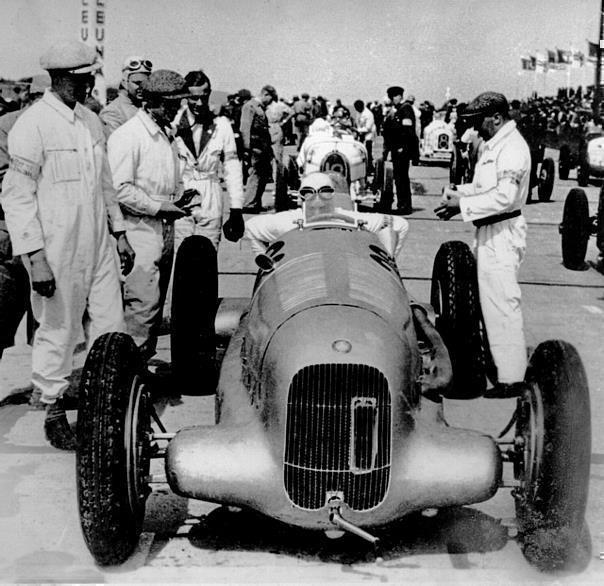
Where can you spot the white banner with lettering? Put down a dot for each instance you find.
(92, 32)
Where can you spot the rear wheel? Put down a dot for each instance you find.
(114, 448)
(454, 296)
(553, 443)
(546, 179)
(194, 306)
(575, 230)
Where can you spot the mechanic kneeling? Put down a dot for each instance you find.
(493, 203)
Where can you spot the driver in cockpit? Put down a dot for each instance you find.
(319, 199)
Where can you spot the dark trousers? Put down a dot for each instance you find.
(259, 174)
(369, 147)
(400, 171)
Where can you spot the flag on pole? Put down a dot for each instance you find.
(528, 63)
(92, 32)
(578, 59)
(564, 56)
(541, 63)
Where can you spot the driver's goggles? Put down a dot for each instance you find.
(325, 192)
(135, 64)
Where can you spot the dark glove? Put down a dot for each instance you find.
(42, 279)
(234, 227)
(125, 252)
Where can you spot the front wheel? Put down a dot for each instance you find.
(454, 297)
(194, 305)
(114, 448)
(553, 439)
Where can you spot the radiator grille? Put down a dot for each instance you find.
(338, 436)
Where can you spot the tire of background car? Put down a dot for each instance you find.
(600, 223)
(454, 297)
(564, 162)
(546, 179)
(582, 174)
(575, 230)
(552, 465)
(281, 188)
(194, 305)
(113, 453)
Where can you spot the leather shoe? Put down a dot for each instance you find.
(58, 433)
(403, 211)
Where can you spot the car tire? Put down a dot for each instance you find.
(546, 179)
(112, 458)
(194, 306)
(564, 162)
(554, 429)
(454, 297)
(575, 230)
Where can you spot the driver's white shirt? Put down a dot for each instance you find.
(261, 230)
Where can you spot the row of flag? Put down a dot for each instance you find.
(560, 59)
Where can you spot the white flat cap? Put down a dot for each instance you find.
(72, 56)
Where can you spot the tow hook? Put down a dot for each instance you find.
(335, 504)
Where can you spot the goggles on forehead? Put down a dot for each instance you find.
(325, 192)
(136, 64)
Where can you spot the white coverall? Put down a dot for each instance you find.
(57, 195)
(500, 185)
(201, 172)
(261, 230)
(146, 172)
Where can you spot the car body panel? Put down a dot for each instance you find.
(319, 398)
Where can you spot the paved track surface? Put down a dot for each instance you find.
(192, 541)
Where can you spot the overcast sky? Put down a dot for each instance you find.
(344, 49)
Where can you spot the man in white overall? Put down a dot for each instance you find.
(147, 177)
(493, 202)
(205, 144)
(57, 196)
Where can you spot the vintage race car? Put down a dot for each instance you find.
(576, 228)
(329, 403)
(436, 147)
(339, 153)
(586, 153)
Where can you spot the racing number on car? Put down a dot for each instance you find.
(443, 141)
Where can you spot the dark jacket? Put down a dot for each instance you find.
(254, 129)
(399, 131)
